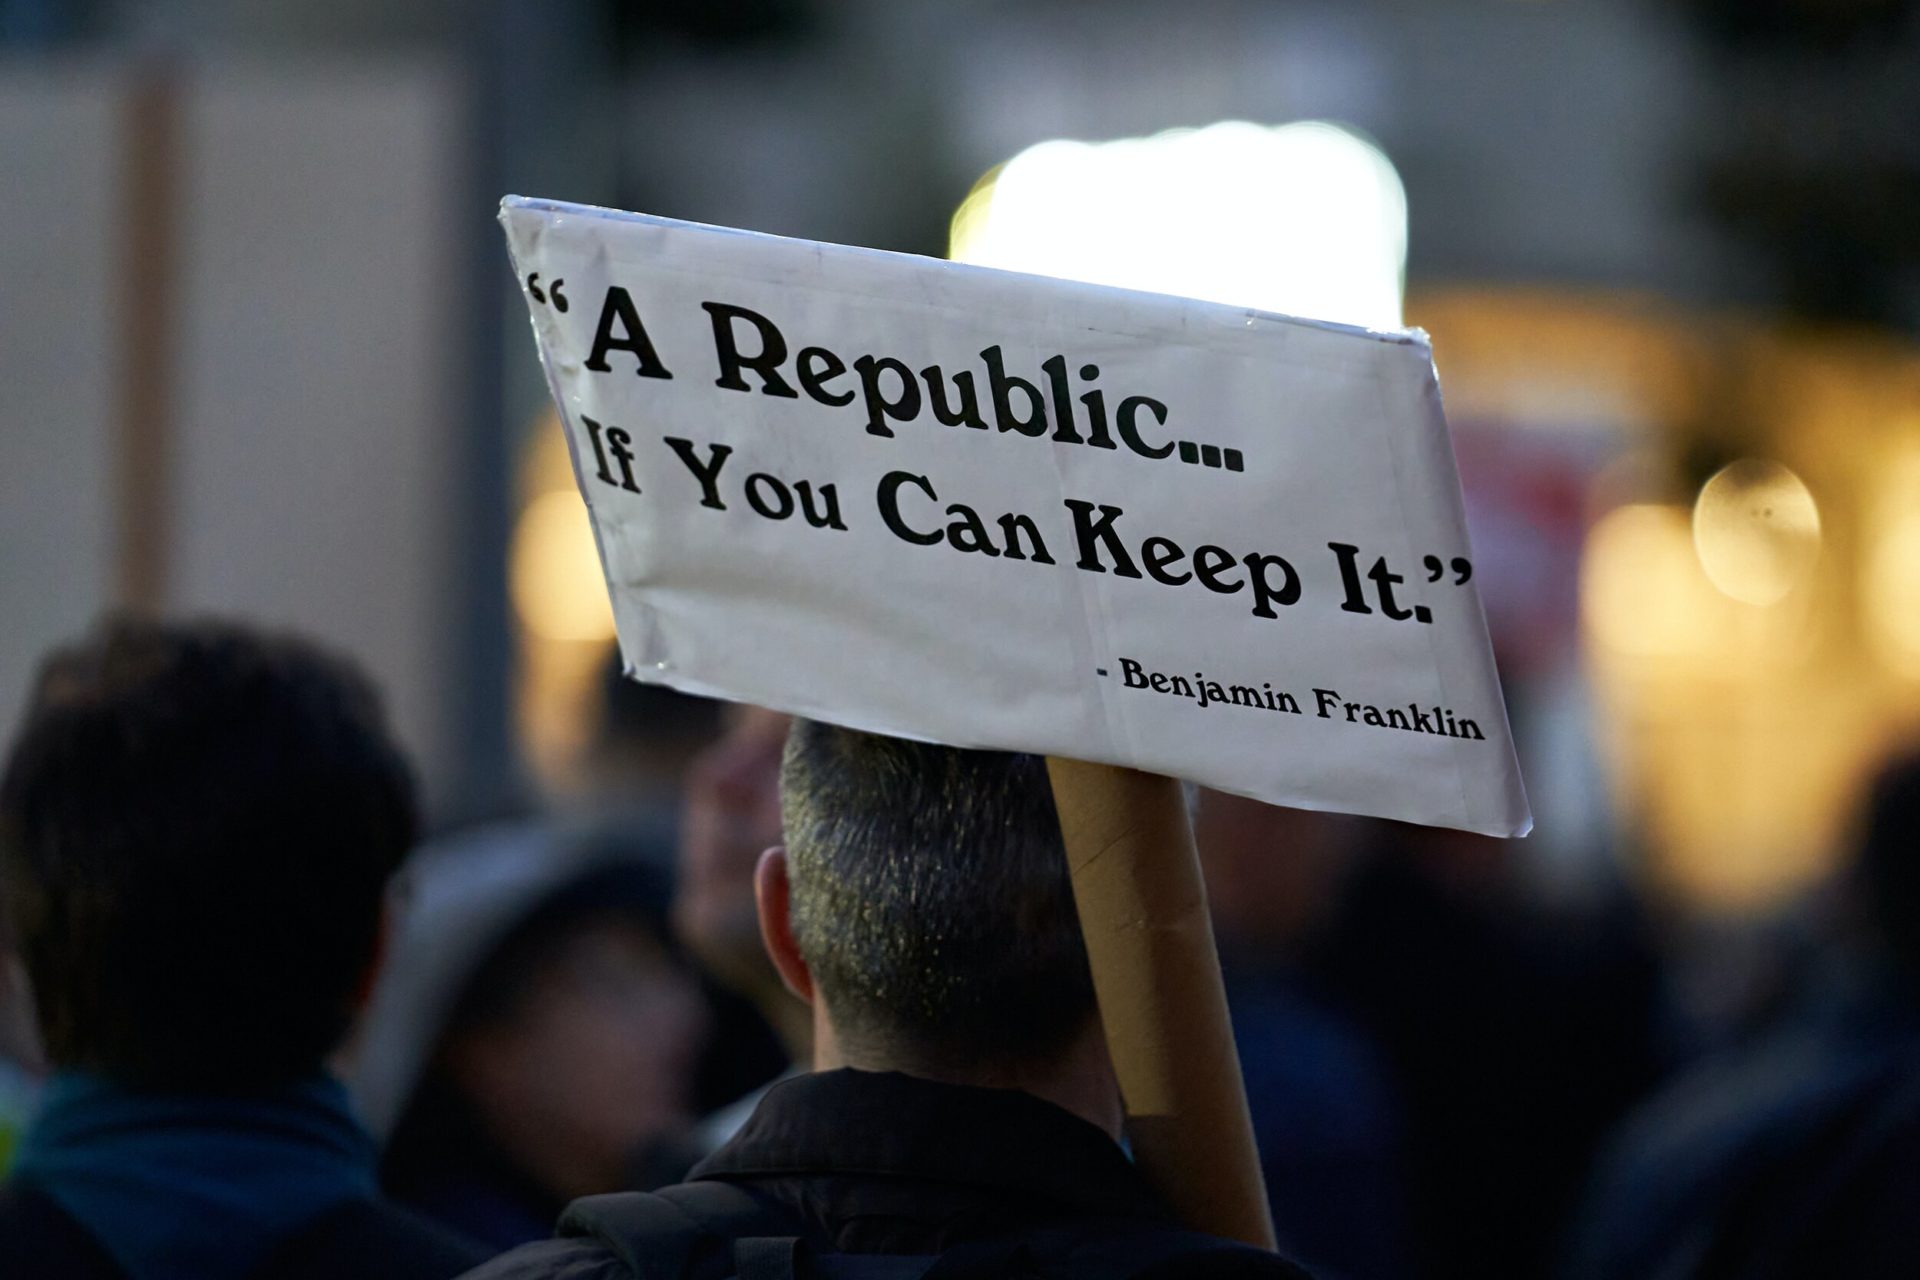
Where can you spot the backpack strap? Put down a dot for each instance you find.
(765, 1257)
(709, 1230)
(1090, 1249)
(1129, 1249)
(683, 1231)
(980, 1259)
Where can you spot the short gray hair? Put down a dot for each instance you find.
(930, 898)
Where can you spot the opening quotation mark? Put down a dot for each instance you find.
(552, 292)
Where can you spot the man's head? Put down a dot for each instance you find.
(196, 827)
(927, 894)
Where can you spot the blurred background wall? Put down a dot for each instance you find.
(259, 350)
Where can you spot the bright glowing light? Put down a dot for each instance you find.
(1308, 219)
(555, 574)
(1756, 530)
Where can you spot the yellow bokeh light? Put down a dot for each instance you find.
(1756, 530)
(558, 589)
(1891, 593)
(1641, 590)
(1308, 219)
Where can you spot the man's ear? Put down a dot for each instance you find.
(771, 898)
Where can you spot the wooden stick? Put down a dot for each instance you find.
(143, 454)
(1143, 909)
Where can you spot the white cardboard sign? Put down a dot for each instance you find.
(996, 510)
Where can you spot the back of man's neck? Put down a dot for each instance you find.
(1079, 1080)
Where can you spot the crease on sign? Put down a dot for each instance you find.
(648, 650)
(532, 224)
(642, 639)
(1514, 815)
(1085, 639)
(645, 637)
(1383, 404)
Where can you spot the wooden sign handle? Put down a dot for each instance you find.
(1143, 909)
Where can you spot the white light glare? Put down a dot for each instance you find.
(1307, 219)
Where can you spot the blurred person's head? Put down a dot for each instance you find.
(1886, 870)
(645, 737)
(196, 825)
(1272, 873)
(730, 814)
(535, 1036)
(923, 904)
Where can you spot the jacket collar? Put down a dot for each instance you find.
(195, 1185)
(885, 1124)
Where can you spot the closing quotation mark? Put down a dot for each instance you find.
(552, 291)
(1436, 569)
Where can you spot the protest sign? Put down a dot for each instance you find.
(996, 510)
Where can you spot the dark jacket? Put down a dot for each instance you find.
(364, 1239)
(886, 1163)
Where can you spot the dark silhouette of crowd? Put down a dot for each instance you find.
(782, 999)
